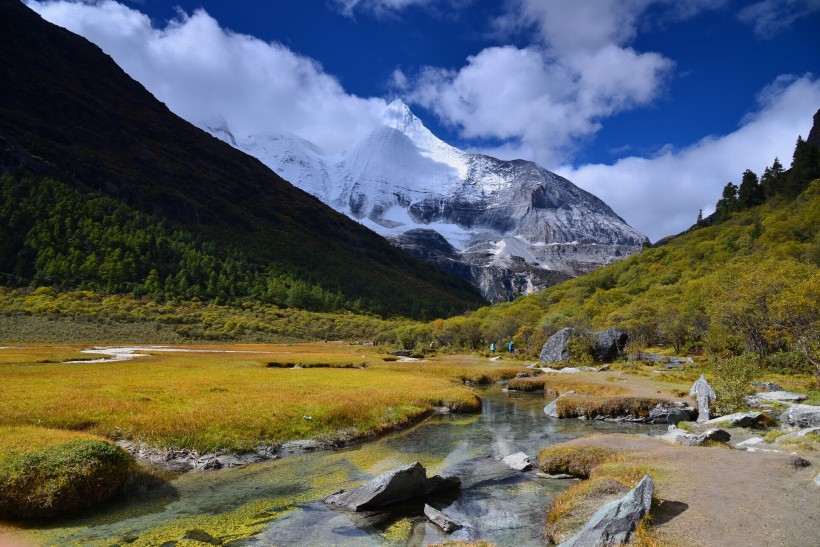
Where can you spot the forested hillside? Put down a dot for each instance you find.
(103, 188)
(747, 283)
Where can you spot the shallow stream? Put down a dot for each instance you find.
(279, 502)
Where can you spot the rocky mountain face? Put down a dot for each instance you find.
(510, 227)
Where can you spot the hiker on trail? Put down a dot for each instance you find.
(510, 347)
(492, 347)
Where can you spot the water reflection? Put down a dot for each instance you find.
(279, 502)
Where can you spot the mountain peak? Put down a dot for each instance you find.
(399, 116)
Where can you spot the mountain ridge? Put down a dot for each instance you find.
(68, 111)
(401, 178)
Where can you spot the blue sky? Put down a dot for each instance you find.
(653, 105)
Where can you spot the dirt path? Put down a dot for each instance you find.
(726, 497)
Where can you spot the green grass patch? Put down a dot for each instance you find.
(45, 472)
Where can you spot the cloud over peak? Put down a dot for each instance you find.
(204, 72)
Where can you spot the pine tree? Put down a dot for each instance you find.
(805, 167)
(772, 179)
(749, 194)
(727, 204)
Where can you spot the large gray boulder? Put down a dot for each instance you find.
(608, 344)
(614, 523)
(801, 416)
(393, 487)
(556, 349)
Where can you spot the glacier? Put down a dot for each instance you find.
(510, 227)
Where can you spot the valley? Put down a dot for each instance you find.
(224, 334)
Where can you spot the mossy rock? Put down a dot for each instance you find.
(576, 460)
(61, 479)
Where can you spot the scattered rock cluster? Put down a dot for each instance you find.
(397, 486)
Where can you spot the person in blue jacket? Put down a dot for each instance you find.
(492, 347)
(510, 347)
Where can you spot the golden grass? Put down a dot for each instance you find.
(610, 476)
(206, 401)
(22, 440)
(590, 406)
(557, 384)
(577, 460)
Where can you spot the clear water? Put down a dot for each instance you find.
(279, 502)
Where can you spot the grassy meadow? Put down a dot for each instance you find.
(229, 397)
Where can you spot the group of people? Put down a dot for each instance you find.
(510, 347)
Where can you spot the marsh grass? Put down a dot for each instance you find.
(210, 401)
(556, 384)
(573, 460)
(609, 476)
(591, 406)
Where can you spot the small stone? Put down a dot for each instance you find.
(717, 435)
(797, 462)
(798, 434)
(518, 461)
(447, 525)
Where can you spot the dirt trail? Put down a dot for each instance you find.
(719, 496)
(726, 497)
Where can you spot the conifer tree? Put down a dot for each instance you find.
(749, 194)
(727, 204)
(772, 179)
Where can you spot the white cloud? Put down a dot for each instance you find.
(382, 7)
(203, 72)
(545, 101)
(770, 17)
(661, 196)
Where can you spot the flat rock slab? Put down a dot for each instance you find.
(801, 416)
(393, 487)
(775, 396)
(750, 442)
(739, 419)
(518, 461)
(679, 436)
(447, 525)
(798, 434)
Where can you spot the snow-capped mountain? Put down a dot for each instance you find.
(511, 227)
